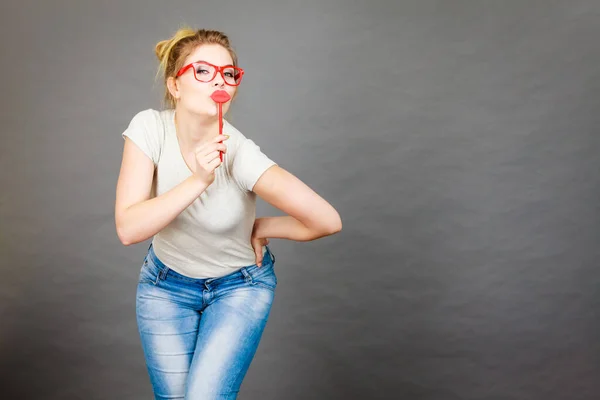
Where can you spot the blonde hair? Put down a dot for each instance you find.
(172, 52)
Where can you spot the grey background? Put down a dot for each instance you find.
(458, 139)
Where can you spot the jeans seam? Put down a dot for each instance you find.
(183, 279)
(264, 285)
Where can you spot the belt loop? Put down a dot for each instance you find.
(163, 273)
(247, 276)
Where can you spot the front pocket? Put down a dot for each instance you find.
(147, 274)
(265, 278)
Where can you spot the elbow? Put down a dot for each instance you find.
(124, 236)
(333, 225)
(126, 242)
(336, 225)
(127, 236)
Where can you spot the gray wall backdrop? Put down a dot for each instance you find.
(458, 139)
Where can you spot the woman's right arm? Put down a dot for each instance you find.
(137, 216)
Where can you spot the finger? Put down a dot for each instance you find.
(214, 149)
(211, 156)
(213, 164)
(214, 144)
(216, 140)
(258, 253)
(210, 166)
(219, 138)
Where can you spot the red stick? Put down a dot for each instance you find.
(221, 126)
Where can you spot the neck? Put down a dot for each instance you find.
(194, 130)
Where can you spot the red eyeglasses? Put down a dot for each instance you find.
(206, 72)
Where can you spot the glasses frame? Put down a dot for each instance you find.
(218, 69)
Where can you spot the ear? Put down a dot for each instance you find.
(173, 87)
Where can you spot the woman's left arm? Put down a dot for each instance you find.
(309, 216)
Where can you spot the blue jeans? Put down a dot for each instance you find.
(199, 336)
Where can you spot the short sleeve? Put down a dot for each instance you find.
(249, 164)
(145, 131)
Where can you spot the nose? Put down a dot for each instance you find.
(219, 81)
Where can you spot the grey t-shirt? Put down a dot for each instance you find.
(211, 237)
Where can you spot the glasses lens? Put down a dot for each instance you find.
(232, 75)
(204, 72)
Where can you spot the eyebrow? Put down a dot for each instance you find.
(206, 62)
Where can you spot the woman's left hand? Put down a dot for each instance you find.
(257, 245)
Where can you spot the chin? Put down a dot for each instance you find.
(205, 111)
(214, 110)
(208, 110)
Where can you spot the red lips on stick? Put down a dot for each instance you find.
(220, 97)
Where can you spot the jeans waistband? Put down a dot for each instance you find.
(165, 269)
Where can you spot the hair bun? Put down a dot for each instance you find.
(161, 49)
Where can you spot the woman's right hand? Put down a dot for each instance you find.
(207, 159)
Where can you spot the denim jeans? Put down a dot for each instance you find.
(199, 336)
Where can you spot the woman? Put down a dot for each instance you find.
(207, 282)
